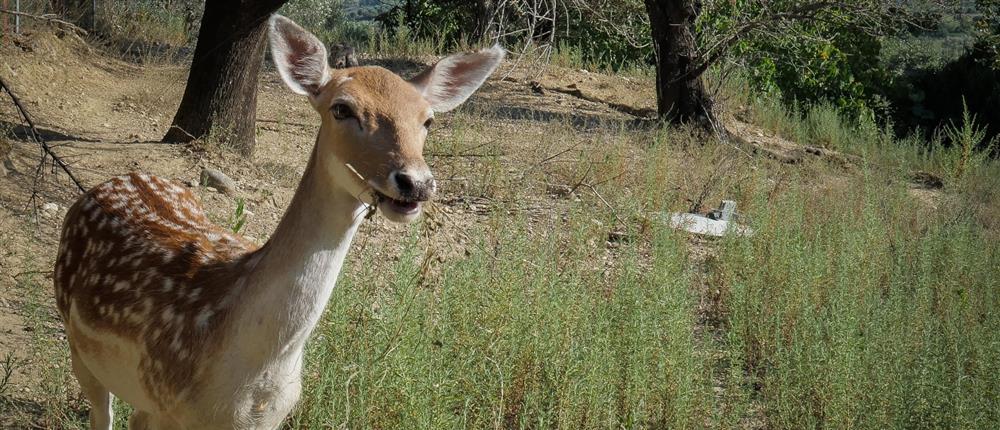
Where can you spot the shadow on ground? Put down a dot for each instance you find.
(579, 121)
(23, 132)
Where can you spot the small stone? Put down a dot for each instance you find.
(211, 189)
(218, 180)
(49, 209)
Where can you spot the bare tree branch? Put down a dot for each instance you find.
(38, 137)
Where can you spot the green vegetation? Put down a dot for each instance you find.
(864, 314)
(238, 218)
(7, 367)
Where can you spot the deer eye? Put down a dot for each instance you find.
(427, 124)
(342, 111)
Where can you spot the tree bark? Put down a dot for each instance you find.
(220, 100)
(680, 90)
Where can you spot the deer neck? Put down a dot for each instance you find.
(295, 272)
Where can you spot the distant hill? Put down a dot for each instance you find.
(366, 10)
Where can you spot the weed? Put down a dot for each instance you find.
(969, 149)
(7, 367)
(238, 219)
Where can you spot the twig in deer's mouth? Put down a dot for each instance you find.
(376, 196)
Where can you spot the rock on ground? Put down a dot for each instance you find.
(216, 179)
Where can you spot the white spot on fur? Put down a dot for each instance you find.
(176, 343)
(168, 284)
(201, 321)
(168, 314)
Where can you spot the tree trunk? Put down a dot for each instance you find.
(220, 100)
(680, 91)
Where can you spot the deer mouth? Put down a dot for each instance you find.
(402, 207)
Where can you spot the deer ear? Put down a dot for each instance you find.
(299, 56)
(452, 80)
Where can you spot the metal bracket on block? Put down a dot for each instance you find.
(725, 211)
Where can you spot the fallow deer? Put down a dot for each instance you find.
(196, 327)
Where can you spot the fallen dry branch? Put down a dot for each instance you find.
(38, 137)
(49, 18)
(757, 141)
(642, 113)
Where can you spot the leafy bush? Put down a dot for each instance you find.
(322, 17)
(831, 59)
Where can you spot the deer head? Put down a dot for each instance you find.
(373, 122)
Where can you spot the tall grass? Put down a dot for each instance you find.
(855, 310)
(526, 331)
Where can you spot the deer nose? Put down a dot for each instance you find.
(414, 186)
